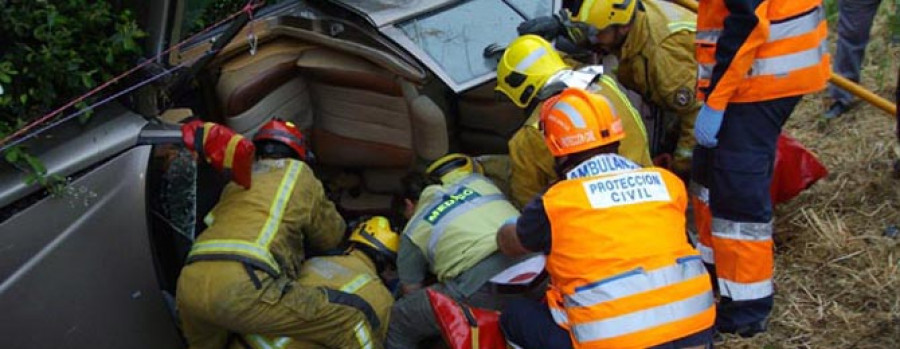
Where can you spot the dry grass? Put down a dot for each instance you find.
(837, 276)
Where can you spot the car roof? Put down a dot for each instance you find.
(380, 13)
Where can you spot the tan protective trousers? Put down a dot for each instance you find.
(218, 298)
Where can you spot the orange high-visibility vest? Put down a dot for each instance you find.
(622, 272)
(785, 54)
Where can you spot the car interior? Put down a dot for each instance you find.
(369, 120)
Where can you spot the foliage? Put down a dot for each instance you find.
(212, 12)
(54, 51)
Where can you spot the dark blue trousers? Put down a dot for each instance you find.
(738, 173)
(528, 324)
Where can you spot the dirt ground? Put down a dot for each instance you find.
(837, 278)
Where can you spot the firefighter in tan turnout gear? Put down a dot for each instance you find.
(242, 271)
(372, 250)
(531, 71)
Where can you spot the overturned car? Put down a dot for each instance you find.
(381, 88)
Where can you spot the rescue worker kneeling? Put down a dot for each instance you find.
(451, 234)
(531, 71)
(372, 250)
(622, 274)
(241, 271)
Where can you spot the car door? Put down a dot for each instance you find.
(76, 268)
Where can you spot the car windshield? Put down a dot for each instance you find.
(455, 38)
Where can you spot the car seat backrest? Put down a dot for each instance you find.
(253, 88)
(366, 116)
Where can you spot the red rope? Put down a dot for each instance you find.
(249, 8)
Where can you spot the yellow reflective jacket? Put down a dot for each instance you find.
(532, 165)
(267, 225)
(657, 60)
(455, 224)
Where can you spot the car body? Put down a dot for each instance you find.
(96, 265)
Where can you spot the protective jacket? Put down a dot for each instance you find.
(772, 49)
(531, 164)
(657, 61)
(353, 273)
(268, 225)
(241, 272)
(455, 224)
(609, 287)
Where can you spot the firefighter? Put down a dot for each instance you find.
(454, 216)
(240, 274)
(622, 274)
(654, 43)
(529, 72)
(757, 59)
(372, 250)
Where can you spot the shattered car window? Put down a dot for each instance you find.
(456, 38)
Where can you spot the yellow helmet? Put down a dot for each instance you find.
(604, 13)
(451, 165)
(525, 67)
(376, 233)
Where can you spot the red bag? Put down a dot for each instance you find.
(227, 151)
(465, 327)
(796, 169)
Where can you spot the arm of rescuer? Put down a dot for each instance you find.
(746, 28)
(324, 227)
(529, 232)
(412, 266)
(531, 164)
(675, 75)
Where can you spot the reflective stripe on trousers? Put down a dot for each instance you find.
(744, 259)
(702, 218)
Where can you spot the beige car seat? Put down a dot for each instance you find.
(361, 118)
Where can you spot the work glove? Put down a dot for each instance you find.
(706, 128)
(558, 25)
(547, 27)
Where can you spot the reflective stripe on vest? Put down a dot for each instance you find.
(643, 319)
(778, 65)
(418, 219)
(682, 25)
(634, 282)
(441, 227)
(357, 283)
(259, 249)
(777, 30)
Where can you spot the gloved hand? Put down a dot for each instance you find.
(706, 128)
(547, 27)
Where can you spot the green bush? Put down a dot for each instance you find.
(54, 51)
